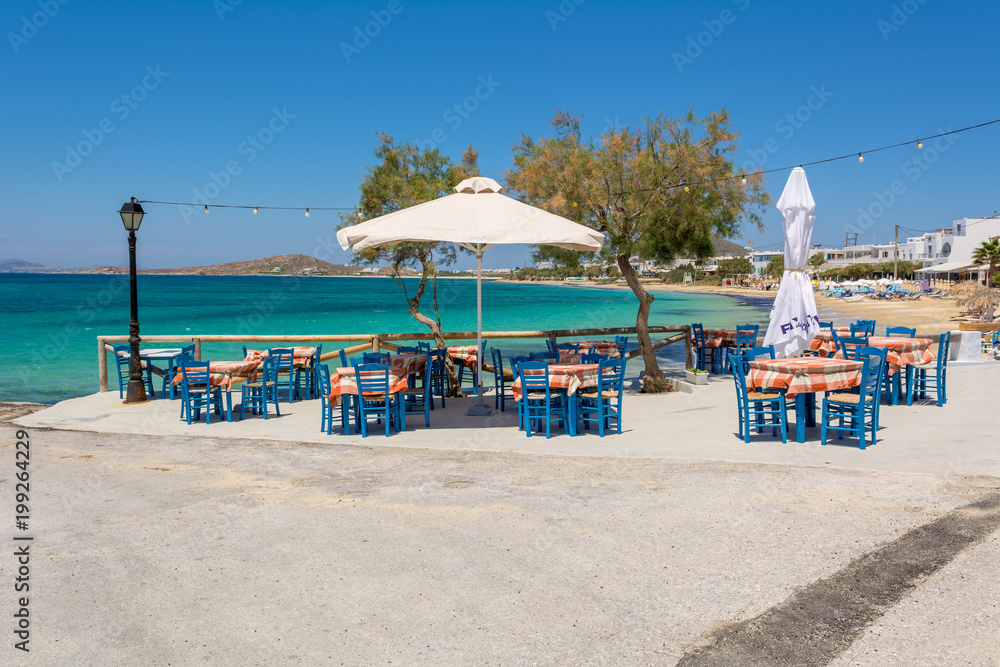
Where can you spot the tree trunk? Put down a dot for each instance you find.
(653, 381)
(436, 332)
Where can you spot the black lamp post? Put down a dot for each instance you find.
(136, 393)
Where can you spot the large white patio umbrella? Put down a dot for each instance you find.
(477, 217)
(794, 319)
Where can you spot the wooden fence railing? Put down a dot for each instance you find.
(377, 342)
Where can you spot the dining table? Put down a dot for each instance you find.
(901, 352)
(168, 355)
(801, 378)
(823, 343)
(466, 355)
(224, 374)
(564, 377)
(343, 382)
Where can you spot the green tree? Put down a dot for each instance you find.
(405, 175)
(735, 266)
(776, 267)
(655, 191)
(817, 260)
(988, 253)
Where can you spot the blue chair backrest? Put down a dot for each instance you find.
(944, 344)
(122, 355)
(515, 363)
(316, 355)
(551, 345)
(269, 371)
(826, 325)
(404, 349)
(285, 357)
(592, 358)
(610, 375)
(372, 378)
(195, 374)
(699, 334)
(858, 329)
(534, 382)
(375, 358)
(869, 326)
(746, 335)
(739, 378)
(538, 356)
(497, 364)
(343, 358)
(568, 347)
(849, 346)
(900, 331)
(872, 376)
(323, 373)
(424, 346)
(189, 349)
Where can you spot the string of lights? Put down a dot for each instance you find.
(686, 185)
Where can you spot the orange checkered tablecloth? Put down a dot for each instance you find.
(467, 355)
(719, 338)
(600, 347)
(222, 373)
(301, 356)
(411, 363)
(901, 351)
(803, 375)
(343, 381)
(823, 343)
(570, 377)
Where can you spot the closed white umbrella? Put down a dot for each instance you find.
(794, 319)
(476, 217)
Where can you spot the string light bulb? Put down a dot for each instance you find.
(206, 208)
(687, 189)
(861, 158)
(307, 212)
(920, 144)
(255, 210)
(744, 179)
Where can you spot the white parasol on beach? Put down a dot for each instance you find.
(477, 217)
(794, 319)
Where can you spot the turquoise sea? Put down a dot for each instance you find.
(49, 323)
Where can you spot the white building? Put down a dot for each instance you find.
(952, 253)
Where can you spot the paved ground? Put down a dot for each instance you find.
(187, 547)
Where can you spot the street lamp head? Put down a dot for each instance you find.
(132, 215)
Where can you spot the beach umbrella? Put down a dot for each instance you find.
(986, 300)
(477, 217)
(794, 319)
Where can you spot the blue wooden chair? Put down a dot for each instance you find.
(374, 358)
(605, 403)
(592, 358)
(307, 375)
(932, 376)
(326, 408)
(748, 355)
(703, 355)
(570, 348)
(374, 399)
(472, 371)
(755, 407)
(854, 414)
(437, 373)
(122, 355)
(197, 392)
(544, 356)
(256, 395)
(344, 361)
(901, 331)
(515, 366)
(885, 380)
(499, 380)
(622, 343)
(424, 346)
(826, 325)
(418, 398)
(286, 369)
(848, 345)
(746, 338)
(859, 330)
(869, 326)
(538, 403)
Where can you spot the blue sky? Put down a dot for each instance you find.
(107, 100)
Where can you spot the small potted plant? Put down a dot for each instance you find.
(695, 376)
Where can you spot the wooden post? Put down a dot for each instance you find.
(688, 352)
(376, 344)
(102, 365)
(197, 349)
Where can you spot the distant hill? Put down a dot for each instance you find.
(724, 247)
(282, 265)
(21, 266)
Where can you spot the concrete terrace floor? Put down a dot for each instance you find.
(264, 543)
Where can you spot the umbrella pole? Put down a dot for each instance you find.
(479, 410)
